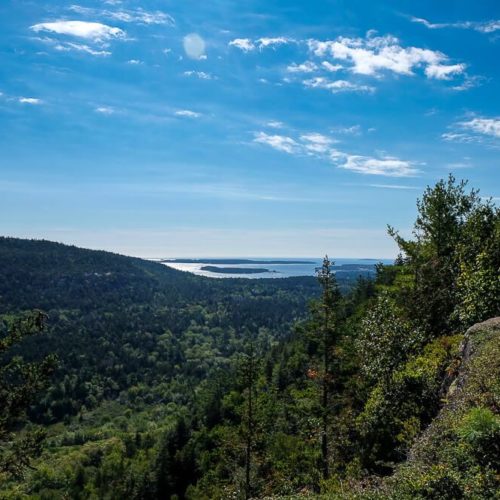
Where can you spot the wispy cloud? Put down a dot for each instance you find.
(30, 100)
(247, 45)
(244, 44)
(480, 26)
(458, 137)
(272, 42)
(485, 126)
(275, 124)
(80, 47)
(352, 130)
(476, 129)
(305, 67)
(321, 146)
(317, 143)
(187, 113)
(96, 32)
(469, 82)
(388, 166)
(331, 67)
(140, 16)
(202, 75)
(336, 86)
(105, 110)
(278, 142)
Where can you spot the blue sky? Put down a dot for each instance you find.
(249, 128)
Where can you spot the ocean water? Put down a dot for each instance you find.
(274, 270)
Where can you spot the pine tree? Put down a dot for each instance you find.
(249, 374)
(326, 337)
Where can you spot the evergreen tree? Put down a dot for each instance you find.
(433, 255)
(19, 383)
(249, 373)
(325, 319)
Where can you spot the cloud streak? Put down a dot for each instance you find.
(30, 100)
(475, 130)
(248, 45)
(336, 86)
(321, 146)
(202, 75)
(484, 126)
(482, 27)
(139, 16)
(187, 113)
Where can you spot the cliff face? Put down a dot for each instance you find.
(458, 456)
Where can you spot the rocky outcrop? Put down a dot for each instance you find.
(475, 384)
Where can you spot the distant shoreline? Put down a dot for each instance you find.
(236, 270)
(234, 261)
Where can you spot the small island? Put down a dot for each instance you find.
(233, 261)
(236, 270)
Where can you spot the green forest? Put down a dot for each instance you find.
(124, 378)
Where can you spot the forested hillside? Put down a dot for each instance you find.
(168, 385)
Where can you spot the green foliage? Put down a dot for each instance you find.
(176, 386)
(387, 338)
(19, 383)
(480, 429)
(400, 407)
(454, 255)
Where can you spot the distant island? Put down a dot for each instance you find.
(236, 270)
(234, 261)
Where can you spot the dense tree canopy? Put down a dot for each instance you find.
(175, 386)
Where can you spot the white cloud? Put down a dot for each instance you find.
(352, 130)
(265, 42)
(321, 146)
(30, 100)
(187, 113)
(387, 166)
(469, 83)
(331, 67)
(444, 71)
(475, 130)
(247, 45)
(317, 143)
(96, 32)
(244, 44)
(336, 86)
(457, 137)
(275, 124)
(81, 47)
(279, 142)
(134, 61)
(371, 55)
(485, 126)
(105, 110)
(482, 27)
(199, 74)
(140, 16)
(305, 67)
